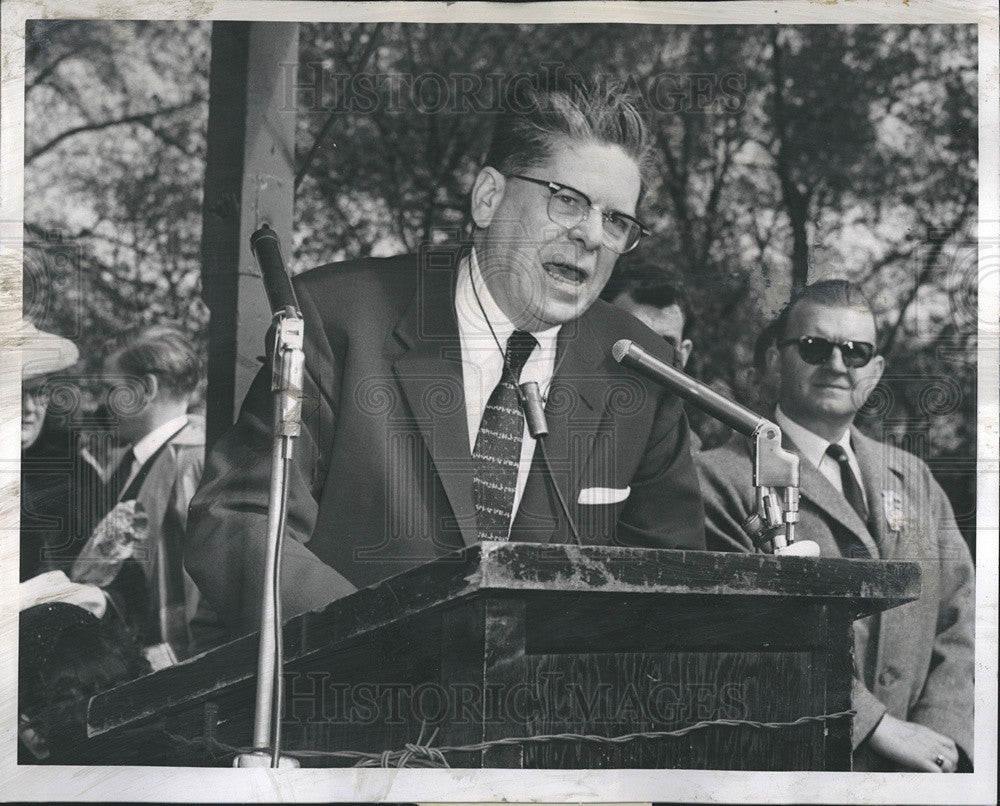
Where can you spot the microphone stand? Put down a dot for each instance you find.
(774, 468)
(288, 369)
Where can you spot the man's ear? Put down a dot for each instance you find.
(878, 367)
(152, 385)
(872, 375)
(487, 194)
(684, 350)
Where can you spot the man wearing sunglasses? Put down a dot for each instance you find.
(413, 443)
(865, 499)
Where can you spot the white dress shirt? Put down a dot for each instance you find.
(482, 358)
(813, 449)
(144, 449)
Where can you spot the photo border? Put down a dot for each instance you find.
(231, 785)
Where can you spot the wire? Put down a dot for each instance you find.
(418, 754)
(559, 495)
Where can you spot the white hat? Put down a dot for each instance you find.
(44, 353)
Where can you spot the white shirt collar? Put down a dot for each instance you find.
(150, 444)
(812, 446)
(474, 327)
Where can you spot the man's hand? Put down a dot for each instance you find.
(914, 746)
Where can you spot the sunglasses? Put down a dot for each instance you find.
(815, 350)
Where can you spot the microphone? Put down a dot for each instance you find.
(734, 415)
(277, 285)
(534, 410)
(534, 414)
(773, 467)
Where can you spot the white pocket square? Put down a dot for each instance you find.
(603, 495)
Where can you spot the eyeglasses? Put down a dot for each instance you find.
(568, 207)
(815, 350)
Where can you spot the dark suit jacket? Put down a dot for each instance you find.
(916, 660)
(46, 480)
(166, 491)
(382, 477)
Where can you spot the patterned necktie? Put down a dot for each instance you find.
(852, 490)
(498, 444)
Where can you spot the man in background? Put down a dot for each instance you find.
(135, 553)
(664, 309)
(913, 689)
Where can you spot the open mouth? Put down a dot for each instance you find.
(565, 272)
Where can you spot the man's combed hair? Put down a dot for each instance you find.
(166, 352)
(536, 120)
(663, 295)
(831, 293)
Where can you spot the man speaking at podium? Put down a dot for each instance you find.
(413, 442)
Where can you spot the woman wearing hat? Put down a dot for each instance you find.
(46, 455)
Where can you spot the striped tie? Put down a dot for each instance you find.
(498, 444)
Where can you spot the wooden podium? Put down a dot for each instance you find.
(541, 656)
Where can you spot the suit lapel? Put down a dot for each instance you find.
(878, 481)
(431, 363)
(537, 514)
(883, 477)
(814, 486)
(574, 408)
(429, 371)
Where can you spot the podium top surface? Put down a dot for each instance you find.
(857, 587)
(622, 569)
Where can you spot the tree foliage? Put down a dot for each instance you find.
(115, 116)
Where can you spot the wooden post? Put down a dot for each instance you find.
(249, 180)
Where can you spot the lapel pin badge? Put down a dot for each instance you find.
(892, 502)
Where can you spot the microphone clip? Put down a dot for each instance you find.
(287, 373)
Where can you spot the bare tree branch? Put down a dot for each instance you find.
(719, 178)
(43, 74)
(362, 61)
(796, 198)
(930, 264)
(140, 117)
